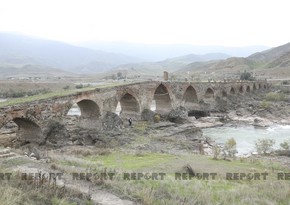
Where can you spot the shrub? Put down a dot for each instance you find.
(66, 87)
(264, 146)
(22, 93)
(246, 76)
(265, 104)
(80, 86)
(156, 118)
(285, 145)
(230, 148)
(276, 97)
(216, 151)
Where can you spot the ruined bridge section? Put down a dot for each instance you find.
(133, 98)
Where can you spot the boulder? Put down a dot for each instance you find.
(111, 121)
(178, 115)
(56, 133)
(147, 115)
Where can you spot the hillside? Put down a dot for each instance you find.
(31, 71)
(261, 63)
(19, 50)
(170, 64)
(270, 54)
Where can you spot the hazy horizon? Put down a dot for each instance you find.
(214, 23)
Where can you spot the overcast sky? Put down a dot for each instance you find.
(199, 22)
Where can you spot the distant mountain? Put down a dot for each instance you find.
(274, 58)
(190, 58)
(31, 71)
(20, 49)
(270, 54)
(151, 52)
(170, 64)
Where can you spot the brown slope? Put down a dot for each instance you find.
(271, 54)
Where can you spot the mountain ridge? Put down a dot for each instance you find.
(20, 49)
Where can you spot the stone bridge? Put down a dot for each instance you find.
(32, 117)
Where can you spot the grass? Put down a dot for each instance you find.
(132, 162)
(16, 101)
(168, 191)
(276, 97)
(195, 191)
(17, 191)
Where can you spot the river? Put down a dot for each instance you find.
(246, 135)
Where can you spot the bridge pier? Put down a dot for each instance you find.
(33, 118)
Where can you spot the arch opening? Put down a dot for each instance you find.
(118, 108)
(241, 89)
(153, 105)
(74, 110)
(260, 86)
(28, 131)
(209, 93)
(232, 91)
(162, 100)
(224, 93)
(129, 104)
(248, 89)
(190, 97)
(265, 87)
(254, 87)
(89, 109)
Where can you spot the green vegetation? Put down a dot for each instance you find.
(156, 118)
(230, 148)
(40, 97)
(264, 146)
(265, 104)
(64, 92)
(173, 191)
(285, 145)
(23, 93)
(216, 151)
(132, 161)
(275, 97)
(246, 76)
(27, 193)
(170, 190)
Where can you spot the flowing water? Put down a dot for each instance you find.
(246, 135)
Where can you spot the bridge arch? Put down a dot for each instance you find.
(89, 109)
(232, 91)
(129, 104)
(254, 87)
(209, 93)
(260, 86)
(248, 89)
(190, 96)
(162, 99)
(224, 93)
(241, 89)
(28, 131)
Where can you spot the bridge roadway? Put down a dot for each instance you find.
(32, 117)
